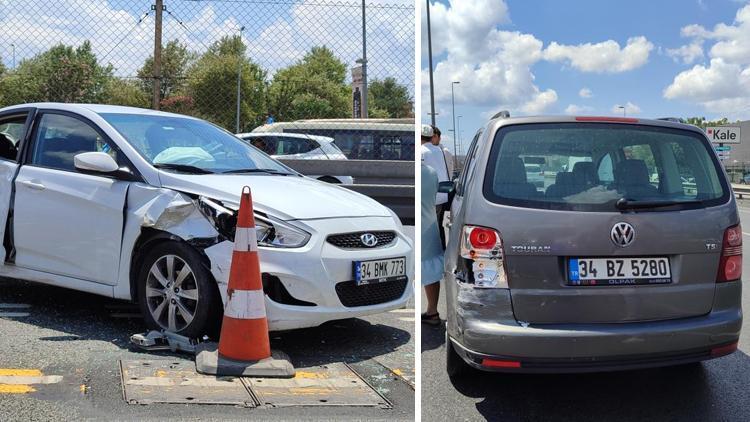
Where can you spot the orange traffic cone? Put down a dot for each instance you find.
(244, 346)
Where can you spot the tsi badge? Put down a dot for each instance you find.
(369, 240)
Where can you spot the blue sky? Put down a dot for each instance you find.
(535, 57)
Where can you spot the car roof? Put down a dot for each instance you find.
(500, 122)
(97, 108)
(326, 139)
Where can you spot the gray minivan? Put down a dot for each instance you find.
(628, 255)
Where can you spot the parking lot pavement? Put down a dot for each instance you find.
(715, 390)
(63, 349)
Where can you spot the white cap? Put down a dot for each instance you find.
(427, 131)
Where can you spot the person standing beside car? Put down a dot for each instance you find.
(447, 156)
(433, 156)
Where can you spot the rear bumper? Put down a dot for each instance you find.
(481, 326)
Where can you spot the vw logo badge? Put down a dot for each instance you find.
(622, 234)
(369, 240)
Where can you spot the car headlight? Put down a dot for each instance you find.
(271, 232)
(276, 234)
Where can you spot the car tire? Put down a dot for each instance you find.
(454, 364)
(185, 299)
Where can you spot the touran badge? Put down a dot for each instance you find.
(622, 234)
(369, 240)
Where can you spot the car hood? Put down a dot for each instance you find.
(284, 197)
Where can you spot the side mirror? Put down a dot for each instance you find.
(95, 162)
(446, 187)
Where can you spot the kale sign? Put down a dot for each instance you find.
(723, 134)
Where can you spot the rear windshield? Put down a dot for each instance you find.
(592, 166)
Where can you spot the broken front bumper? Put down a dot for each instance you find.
(319, 276)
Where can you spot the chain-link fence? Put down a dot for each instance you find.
(282, 68)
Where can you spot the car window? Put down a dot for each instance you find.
(468, 164)
(368, 144)
(12, 130)
(652, 164)
(59, 138)
(167, 140)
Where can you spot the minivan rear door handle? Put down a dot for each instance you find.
(33, 184)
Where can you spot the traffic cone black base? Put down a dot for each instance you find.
(209, 362)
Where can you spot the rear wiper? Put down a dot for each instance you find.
(629, 204)
(268, 171)
(182, 167)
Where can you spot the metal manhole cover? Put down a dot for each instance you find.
(334, 384)
(176, 381)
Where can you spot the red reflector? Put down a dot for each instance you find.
(482, 238)
(723, 350)
(730, 268)
(493, 363)
(606, 119)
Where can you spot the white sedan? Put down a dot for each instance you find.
(141, 205)
(299, 146)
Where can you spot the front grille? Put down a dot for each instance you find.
(353, 241)
(352, 295)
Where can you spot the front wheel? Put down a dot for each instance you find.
(176, 291)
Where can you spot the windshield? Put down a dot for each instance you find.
(592, 166)
(179, 144)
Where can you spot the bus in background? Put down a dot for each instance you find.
(359, 139)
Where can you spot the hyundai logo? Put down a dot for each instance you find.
(369, 240)
(622, 234)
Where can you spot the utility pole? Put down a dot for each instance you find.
(364, 62)
(158, 8)
(239, 79)
(14, 55)
(453, 115)
(429, 53)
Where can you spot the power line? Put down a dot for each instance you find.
(126, 35)
(308, 3)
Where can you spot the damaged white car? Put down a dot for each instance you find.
(141, 205)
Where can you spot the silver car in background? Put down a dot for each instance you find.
(299, 146)
(603, 269)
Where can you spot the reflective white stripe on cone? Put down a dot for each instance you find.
(245, 304)
(245, 239)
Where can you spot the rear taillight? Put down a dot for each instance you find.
(483, 250)
(730, 264)
(495, 363)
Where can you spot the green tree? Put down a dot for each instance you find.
(175, 59)
(387, 98)
(212, 85)
(2, 67)
(126, 93)
(702, 123)
(314, 87)
(62, 73)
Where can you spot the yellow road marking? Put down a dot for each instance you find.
(20, 372)
(16, 389)
(398, 372)
(303, 374)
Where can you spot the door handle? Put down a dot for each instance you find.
(33, 185)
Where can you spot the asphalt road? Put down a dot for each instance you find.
(716, 390)
(82, 337)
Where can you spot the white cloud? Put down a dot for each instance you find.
(492, 65)
(687, 53)
(606, 56)
(722, 86)
(718, 80)
(578, 109)
(585, 93)
(630, 109)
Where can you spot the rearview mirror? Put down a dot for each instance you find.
(96, 162)
(446, 187)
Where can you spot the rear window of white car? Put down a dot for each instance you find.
(603, 167)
